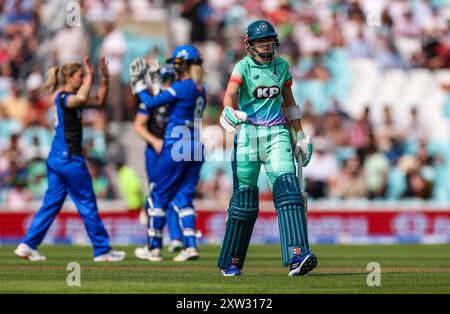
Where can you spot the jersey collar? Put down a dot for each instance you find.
(265, 65)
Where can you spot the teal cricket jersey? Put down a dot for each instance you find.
(260, 92)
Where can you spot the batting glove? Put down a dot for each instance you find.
(231, 119)
(304, 146)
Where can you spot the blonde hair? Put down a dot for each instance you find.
(57, 76)
(196, 73)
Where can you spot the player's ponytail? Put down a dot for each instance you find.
(52, 81)
(196, 73)
(57, 76)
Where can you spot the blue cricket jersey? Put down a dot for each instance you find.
(186, 102)
(68, 175)
(68, 128)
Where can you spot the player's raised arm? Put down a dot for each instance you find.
(82, 94)
(138, 70)
(102, 93)
(151, 102)
(293, 114)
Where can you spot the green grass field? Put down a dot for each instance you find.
(341, 269)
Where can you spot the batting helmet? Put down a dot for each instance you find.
(258, 30)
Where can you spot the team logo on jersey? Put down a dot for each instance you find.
(262, 92)
(256, 77)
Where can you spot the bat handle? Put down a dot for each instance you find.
(300, 172)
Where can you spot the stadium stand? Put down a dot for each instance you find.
(372, 81)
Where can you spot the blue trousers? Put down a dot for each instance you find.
(176, 180)
(151, 160)
(69, 175)
(175, 186)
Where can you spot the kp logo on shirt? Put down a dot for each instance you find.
(262, 92)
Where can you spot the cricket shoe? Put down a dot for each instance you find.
(302, 264)
(186, 255)
(142, 252)
(175, 246)
(111, 256)
(25, 252)
(231, 271)
(153, 255)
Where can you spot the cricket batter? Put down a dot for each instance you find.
(263, 83)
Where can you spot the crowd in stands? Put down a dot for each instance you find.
(354, 156)
(391, 158)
